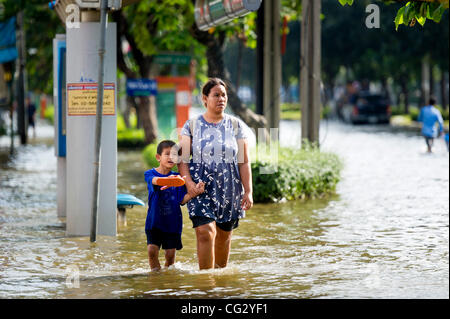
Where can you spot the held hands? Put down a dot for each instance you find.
(195, 189)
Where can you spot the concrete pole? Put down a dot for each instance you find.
(82, 68)
(98, 118)
(310, 61)
(269, 62)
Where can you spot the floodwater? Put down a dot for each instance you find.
(383, 235)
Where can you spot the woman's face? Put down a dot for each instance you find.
(217, 99)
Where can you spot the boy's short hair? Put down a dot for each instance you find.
(432, 100)
(163, 145)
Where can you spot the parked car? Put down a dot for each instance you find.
(365, 107)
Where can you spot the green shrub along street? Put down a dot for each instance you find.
(291, 111)
(298, 174)
(49, 114)
(131, 137)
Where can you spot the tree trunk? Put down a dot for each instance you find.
(425, 82)
(216, 68)
(432, 93)
(145, 107)
(147, 114)
(444, 100)
(385, 89)
(239, 63)
(404, 85)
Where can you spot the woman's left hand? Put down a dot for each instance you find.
(247, 201)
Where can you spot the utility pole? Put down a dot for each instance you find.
(310, 65)
(98, 120)
(21, 111)
(269, 63)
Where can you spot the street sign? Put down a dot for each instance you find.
(141, 87)
(210, 13)
(172, 59)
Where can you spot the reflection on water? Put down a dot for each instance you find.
(385, 234)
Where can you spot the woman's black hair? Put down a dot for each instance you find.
(212, 82)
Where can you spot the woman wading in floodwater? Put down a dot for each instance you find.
(220, 158)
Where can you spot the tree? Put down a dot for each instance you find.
(152, 27)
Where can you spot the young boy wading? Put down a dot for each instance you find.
(164, 222)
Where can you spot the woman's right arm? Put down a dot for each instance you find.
(183, 165)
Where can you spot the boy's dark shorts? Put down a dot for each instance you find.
(159, 238)
(227, 226)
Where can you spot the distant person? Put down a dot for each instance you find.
(164, 222)
(31, 109)
(429, 115)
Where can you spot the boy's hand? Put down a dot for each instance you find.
(200, 187)
(197, 189)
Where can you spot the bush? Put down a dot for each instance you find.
(49, 114)
(292, 111)
(397, 110)
(149, 154)
(299, 174)
(444, 113)
(414, 113)
(129, 137)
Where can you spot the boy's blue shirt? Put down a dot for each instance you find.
(429, 115)
(164, 210)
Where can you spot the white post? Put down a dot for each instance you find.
(82, 70)
(60, 128)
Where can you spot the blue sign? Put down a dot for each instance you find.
(8, 51)
(141, 87)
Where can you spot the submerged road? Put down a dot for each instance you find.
(383, 235)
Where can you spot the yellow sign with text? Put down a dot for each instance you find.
(82, 99)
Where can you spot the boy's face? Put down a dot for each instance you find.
(168, 157)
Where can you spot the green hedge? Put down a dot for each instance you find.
(291, 111)
(129, 137)
(49, 113)
(299, 174)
